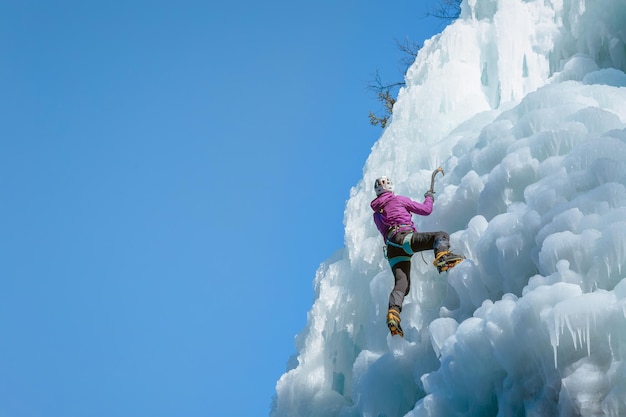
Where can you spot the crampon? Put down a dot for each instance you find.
(446, 260)
(393, 322)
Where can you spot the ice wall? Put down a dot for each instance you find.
(523, 103)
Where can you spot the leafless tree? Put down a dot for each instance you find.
(446, 10)
(386, 93)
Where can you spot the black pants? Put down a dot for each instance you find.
(399, 254)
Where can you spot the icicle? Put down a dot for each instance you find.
(554, 338)
(571, 331)
(588, 335)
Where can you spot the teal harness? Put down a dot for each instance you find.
(405, 246)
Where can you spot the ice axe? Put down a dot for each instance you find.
(432, 179)
(431, 192)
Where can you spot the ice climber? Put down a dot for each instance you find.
(393, 218)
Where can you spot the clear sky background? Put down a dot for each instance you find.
(171, 176)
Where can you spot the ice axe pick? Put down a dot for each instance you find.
(432, 178)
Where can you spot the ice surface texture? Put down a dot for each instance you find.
(523, 103)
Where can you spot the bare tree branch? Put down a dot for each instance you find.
(410, 49)
(446, 10)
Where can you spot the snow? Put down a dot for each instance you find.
(523, 104)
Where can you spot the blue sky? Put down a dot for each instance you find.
(172, 175)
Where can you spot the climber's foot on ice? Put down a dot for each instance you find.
(445, 260)
(393, 322)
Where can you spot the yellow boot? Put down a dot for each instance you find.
(445, 260)
(393, 322)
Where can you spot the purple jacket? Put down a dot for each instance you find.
(392, 210)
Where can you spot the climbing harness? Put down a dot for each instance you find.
(398, 228)
(405, 246)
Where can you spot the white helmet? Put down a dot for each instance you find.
(383, 184)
